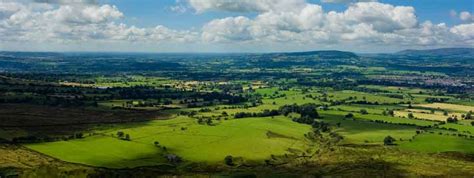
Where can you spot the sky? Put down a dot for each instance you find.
(367, 26)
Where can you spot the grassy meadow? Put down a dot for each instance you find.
(249, 138)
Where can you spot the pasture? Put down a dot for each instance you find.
(435, 143)
(250, 138)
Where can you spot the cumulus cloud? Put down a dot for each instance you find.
(346, 1)
(76, 20)
(246, 5)
(466, 31)
(85, 15)
(466, 16)
(283, 23)
(361, 23)
(66, 1)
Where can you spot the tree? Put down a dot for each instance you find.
(452, 120)
(364, 111)
(304, 120)
(468, 115)
(472, 123)
(120, 134)
(410, 116)
(79, 135)
(200, 121)
(209, 121)
(167, 102)
(224, 113)
(156, 143)
(388, 140)
(309, 110)
(127, 137)
(321, 126)
(349, 115)
(445, 113)
(391, 113)
(229, 160)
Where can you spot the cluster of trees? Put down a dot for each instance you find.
(467, 116)
(388, 113)
(452, 119)
(202, 121)
(42, 93)
(305, 110)
(123, 136)
(264, 113)
(436, 100)
(46, 138)
(308, 112)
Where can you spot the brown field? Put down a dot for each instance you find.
(425, 114)
(445, 106)
(23, 119)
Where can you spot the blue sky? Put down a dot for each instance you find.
(154, 12)
(234, 25)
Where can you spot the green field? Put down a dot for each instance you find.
(433, 143)
(253, 139)
(310, 114)
(361, 131)
(250, 138)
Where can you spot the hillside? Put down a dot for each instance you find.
(439, 52)
(322, 54)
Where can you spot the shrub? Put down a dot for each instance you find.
(388, 140)
(229, 160)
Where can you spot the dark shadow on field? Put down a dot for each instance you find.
(344, 169)
(25, 120)
(347, 164)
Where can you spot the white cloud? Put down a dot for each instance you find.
(466, 16)
(228, 29)
(84, 15)
(288, 24)
(66, 1)
(466, 31)
(245, 5)
(76, 21)
(179, 9)
(361, 24)
(453, 13)
(346, 1)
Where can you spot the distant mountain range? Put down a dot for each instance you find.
(446, 52)
(439, 52)
(322, 54)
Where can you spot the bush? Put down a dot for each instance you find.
(388, 140)
(120, 134)
(349, 115)
(229, 160)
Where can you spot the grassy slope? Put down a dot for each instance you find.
(198, 143)
(439, 143)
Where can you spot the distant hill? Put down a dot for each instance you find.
(439, 52)
(329, 54)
